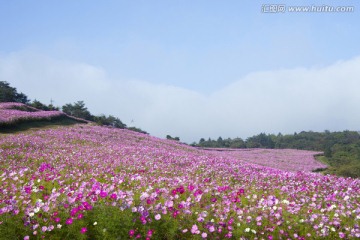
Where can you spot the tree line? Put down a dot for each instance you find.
(76, 109)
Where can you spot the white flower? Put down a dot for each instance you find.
(31, 214)
(36, 210)
(95, 223)
(346, 198)
(59, 226)
(253, 231)
(247, 229)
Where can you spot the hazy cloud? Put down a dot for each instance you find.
(273, 101)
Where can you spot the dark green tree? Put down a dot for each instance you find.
(172, 138)
(78, 110)
(10, 94)
(109, 121)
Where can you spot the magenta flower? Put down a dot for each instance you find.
(113, 196)
(69, 221)
(103, 194)
(27, 189)
(83, 230)
(150, 233)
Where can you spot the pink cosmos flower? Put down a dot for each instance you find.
(69, 221)
(83, 230)
(157, 217)
(103, 194)
(150, 233)
(195, 229)
(113, 196)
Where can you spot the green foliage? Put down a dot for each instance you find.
(260, 141)
(78, 110)
(135, 129)
(221, 143)
(110, 223)
(37, 104)
(172, 138)
(10, 94)
(23, 126)
(109, 121)
(11, 227)
(350, 170)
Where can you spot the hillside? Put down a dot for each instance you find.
(341, 150)
(18, 116)
(91, 182)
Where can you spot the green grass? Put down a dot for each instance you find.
(351, 169)
(24, 126)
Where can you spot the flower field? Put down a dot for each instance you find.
(90, 182)
(11, 113)
(285, 159)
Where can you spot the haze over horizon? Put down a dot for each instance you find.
(189, 69)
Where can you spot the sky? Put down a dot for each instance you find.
(191, 69)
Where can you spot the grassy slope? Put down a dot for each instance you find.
(23, 126)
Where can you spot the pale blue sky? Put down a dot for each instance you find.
(199, 47)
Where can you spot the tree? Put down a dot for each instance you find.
(172, 138)
(135, 129)
(10, 94)
(109, 121)
(78, 110)
(39, 105)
